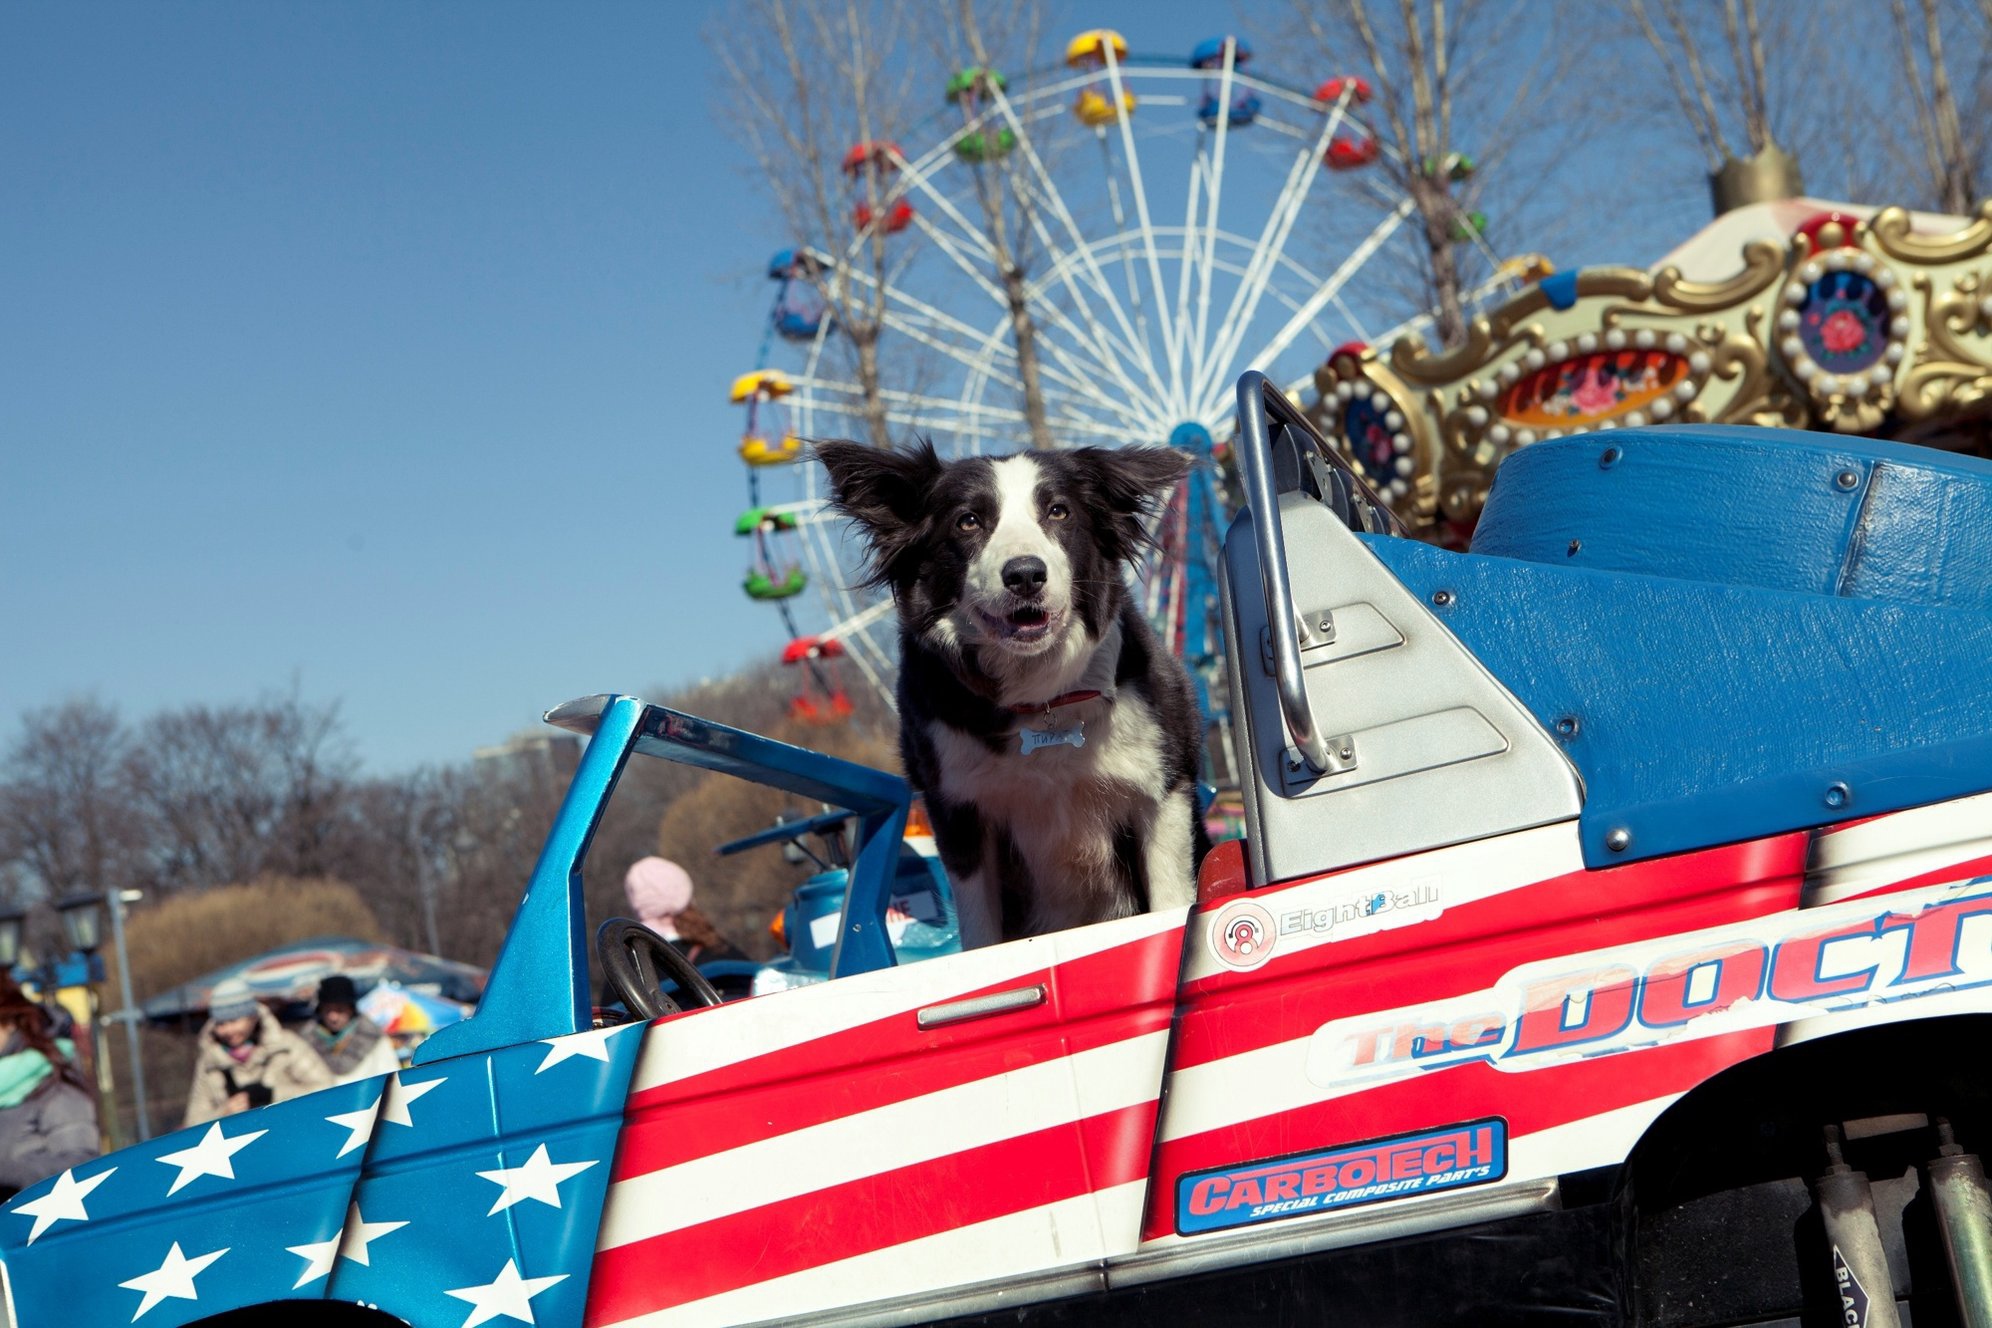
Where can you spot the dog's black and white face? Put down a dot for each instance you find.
(1016, 558)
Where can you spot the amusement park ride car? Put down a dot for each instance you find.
(1603, 884)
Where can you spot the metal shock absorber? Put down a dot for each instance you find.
(1853, 1238)
(1964, 1213)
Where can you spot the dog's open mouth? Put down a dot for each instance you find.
(1023, 625)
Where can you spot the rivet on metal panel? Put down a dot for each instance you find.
(1838, 795)
(1567, 726)
(1847, 479)
(1575, 545)
(1442, 597)
(1618, 840)
(1610, 458)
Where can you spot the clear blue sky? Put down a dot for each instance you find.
(383, 347)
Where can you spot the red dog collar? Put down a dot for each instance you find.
(1070, 698)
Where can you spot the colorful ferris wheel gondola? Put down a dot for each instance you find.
(975, 89)
(1218, 57)
(821, 698)
(1099, 49)
(872, 168)
(799, 313)
(767, 440)
(775, 573)
(1355, 146)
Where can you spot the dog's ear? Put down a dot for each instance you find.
(1128, 484)
(885, 492)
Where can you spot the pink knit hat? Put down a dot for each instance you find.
(658, 890)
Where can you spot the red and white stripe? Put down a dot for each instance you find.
(815, 1148)
(1241, 1087)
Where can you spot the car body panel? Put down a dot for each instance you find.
(818, 1147)
(385, 1192)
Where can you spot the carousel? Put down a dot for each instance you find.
(1798, 313)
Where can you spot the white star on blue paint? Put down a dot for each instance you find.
(212, 1156)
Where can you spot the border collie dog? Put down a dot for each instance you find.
(1055, 740)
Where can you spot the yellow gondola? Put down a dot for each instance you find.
(757, 450)
(1096, 108)
(767, 384)
(1091, 46)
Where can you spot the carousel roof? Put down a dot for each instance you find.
(1800, 313)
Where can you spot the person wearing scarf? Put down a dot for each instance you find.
(48, 1116)
(247, 1059)
(351, 1045)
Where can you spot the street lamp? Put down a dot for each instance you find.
(129, 1011)
(83, 928)
(83, 924)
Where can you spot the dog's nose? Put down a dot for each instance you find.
(1024, 576)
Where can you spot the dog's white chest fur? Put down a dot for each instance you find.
(1061, 805)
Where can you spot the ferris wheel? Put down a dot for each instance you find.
(1163, 235)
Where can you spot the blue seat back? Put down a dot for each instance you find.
(1734, 632)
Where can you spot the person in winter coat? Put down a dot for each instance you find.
(660, 896)
(48, 1115)
(351, 1045)
(247, 1059)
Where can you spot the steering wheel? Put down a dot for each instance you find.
(632, 956)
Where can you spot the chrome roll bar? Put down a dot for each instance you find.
(1261, 408)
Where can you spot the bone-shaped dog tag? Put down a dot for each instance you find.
(1032, 739)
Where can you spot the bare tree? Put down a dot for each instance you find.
(985, 38)
(1453, 109)
(65, 819)
(1952, 154)
(1711, 99)
(234, 792)
(817, 78)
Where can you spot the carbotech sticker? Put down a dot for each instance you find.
(1449, 1158)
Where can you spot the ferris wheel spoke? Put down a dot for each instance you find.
(1214, 194)
(1045, 190)
(859, 620)
(1342, 307)
(967, 357)
(1168, 329)
(903, 407)
(1102, 350)
(1265, 255)
(984, 348)
(1185, 268)
(956, 254)
(920, 177)
(1084, 382)
(1073, 381)
(1329, 289)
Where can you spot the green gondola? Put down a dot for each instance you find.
(969, 88)
(974, 81)
(974, 147)
(760, 585)
(763, 518)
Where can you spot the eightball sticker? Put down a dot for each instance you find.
(1241, 936)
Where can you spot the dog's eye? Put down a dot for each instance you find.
(967, 521)
(1058, 511)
